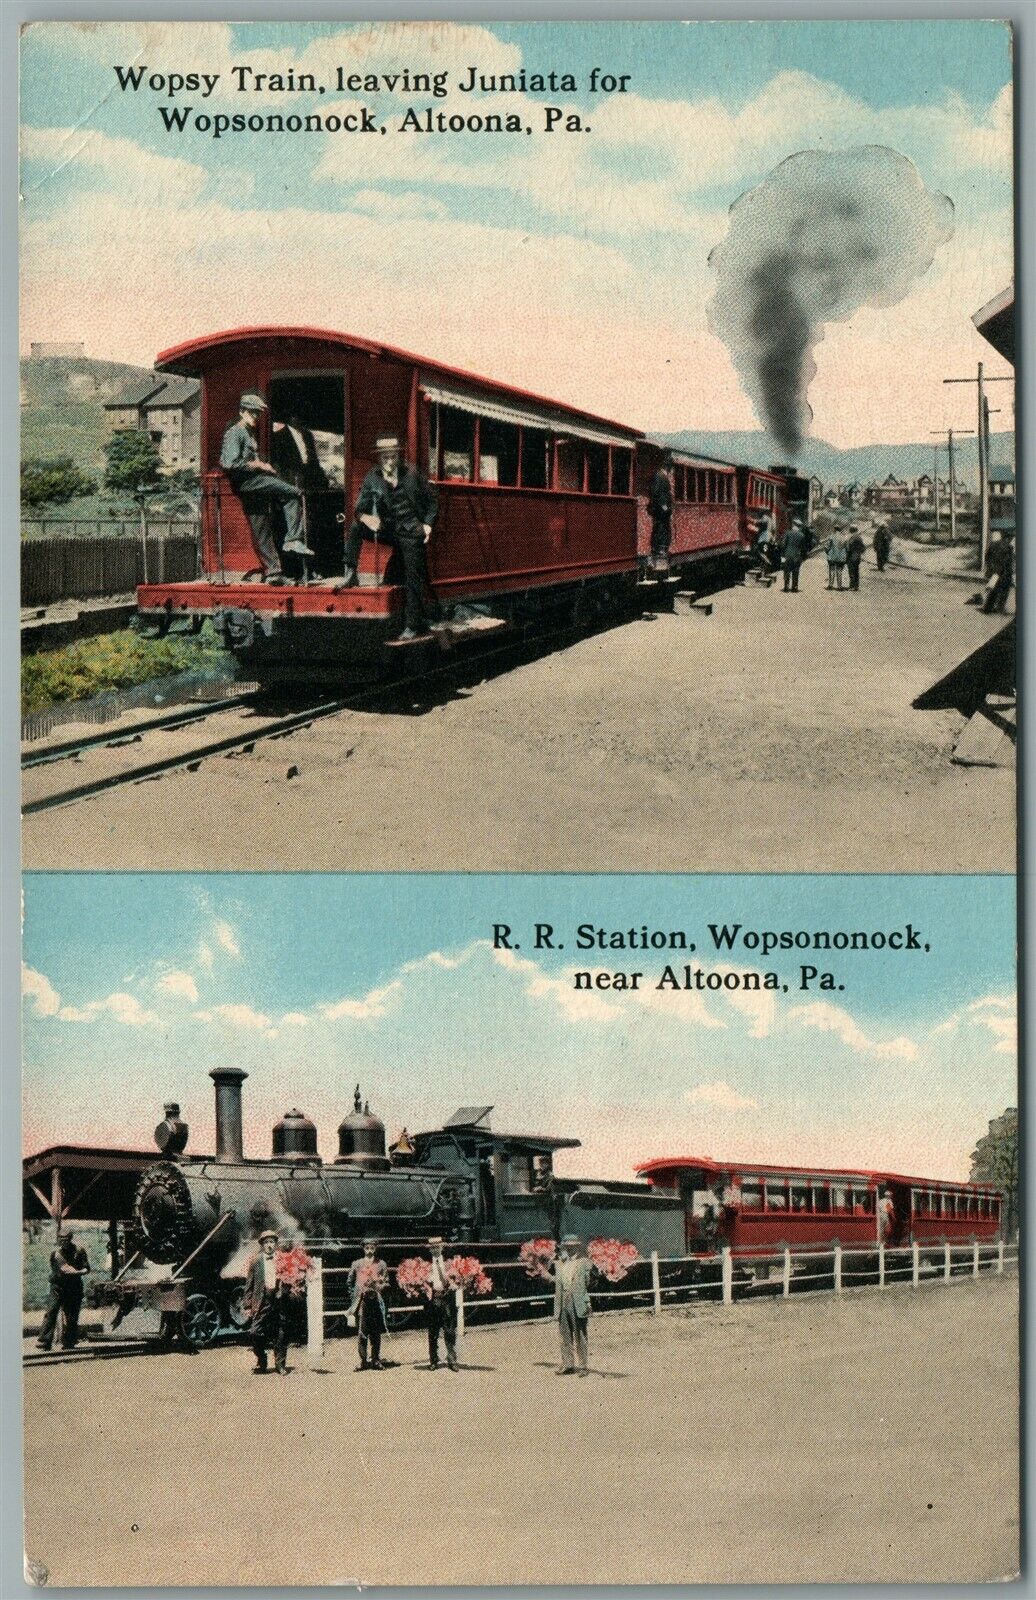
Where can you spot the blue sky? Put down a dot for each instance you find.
(567, 246)
(136, 986)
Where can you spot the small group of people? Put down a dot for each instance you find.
(844, 551)
(396, 503)
(69, 1265)
(267, 1307)
(782, 555)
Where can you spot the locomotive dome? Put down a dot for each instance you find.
(295, 1135)
(361, 1137)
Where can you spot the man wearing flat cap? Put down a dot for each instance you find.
(571, 1277)
(442, 1310)
(368, 1279)
(396, 502)
(266, 1305)
(258, 487)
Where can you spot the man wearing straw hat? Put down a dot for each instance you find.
(442, 1310)
(265, 1303)
(396, 502)
(571, 1277)
(258, 487)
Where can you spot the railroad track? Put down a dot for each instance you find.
(113, 737)
(254, 728)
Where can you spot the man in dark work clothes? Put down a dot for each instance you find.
(442, 1310)
(266, 1302)
(792, 554)
(854, 555)
(999, 574)
(396, 502)
(68, 1267)
(258, 487)
(293, 452)
(660, 510)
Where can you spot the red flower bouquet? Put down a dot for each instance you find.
(467, 1273)
(413, 1276)
(537, 1256)
(612, 1258)
(292, 1268)
(367, 1276)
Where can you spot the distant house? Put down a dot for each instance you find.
(851, 494)
(831, 499)
(924, 492)
(167, 409)
(892, 495)
(40, 351)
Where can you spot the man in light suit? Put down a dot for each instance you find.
(442, 1310)
(571, 1277)
(267, 1306)
(367, 1305)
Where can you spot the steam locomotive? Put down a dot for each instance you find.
(195, 1218)
(543, 507)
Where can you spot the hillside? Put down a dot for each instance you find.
(62, 412)
(862, 465)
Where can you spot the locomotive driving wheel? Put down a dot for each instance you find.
(200, 1320)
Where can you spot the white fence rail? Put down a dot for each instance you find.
(732, 1275)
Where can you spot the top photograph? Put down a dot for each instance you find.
(548, 447)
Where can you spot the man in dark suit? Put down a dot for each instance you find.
(68, 1267)
(660, 510)
(792, 555)
(442, 1310)
(571, 1276)
(266, 1303)
(368, 1279)
(259, 488)
(396, 502)
(293, 452)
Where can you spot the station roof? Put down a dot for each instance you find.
(995, 322)
(779, 1170)
(97, 1183)
(186, 359)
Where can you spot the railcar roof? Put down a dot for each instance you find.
(776, 1169)
(182, 358)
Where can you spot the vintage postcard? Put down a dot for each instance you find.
(621, 413)
(519, 803)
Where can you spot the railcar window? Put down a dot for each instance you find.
(821, 1201)
(433, 440)
(622, 461)
(776, 1196)
(597, 468)
(751, 1195)
(458, 445)
(569, 457)
(535, 452)
(839, 1197)
(799, 1197)
(497, 452)
(518, 1172)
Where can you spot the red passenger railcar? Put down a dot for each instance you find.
(536, 498)
(758, 1209)
(761, 491)
(706, 522)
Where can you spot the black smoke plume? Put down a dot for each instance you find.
(825, 233)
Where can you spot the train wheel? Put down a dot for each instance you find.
(200, 1320)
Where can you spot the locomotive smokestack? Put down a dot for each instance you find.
(229, 1135)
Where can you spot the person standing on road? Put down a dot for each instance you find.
(882, 545)
(368, 1279)
(854, 555)
(999, 573)
(660, 510)
(68, 1267)
(266, 1305)
(258, 487)
(396, 502)
(442, 1311)
(571, 1277)
(793, 555)
(835, 551)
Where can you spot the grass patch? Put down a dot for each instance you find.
(111, 661)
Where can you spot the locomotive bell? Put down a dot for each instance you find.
(171, 1134)
(295, 1136)
(361, 1138)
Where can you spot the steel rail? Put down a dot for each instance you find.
(113, 737)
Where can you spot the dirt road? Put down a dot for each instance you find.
(869, 1438)
(775, 735)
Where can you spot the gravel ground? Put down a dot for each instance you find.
(872, 1438)
(775, 735)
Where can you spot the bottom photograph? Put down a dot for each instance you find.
(584, 1230)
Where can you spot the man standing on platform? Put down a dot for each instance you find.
(660, 510)
(368, 1279)
(68, 1267)
(396, 502)
(792, 556)
(267, 1307)
(442, 1310)
(572, 1305)
(258, 488)
(854, 555)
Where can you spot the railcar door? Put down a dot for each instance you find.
(309, 434)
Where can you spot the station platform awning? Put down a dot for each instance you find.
(81, 1183)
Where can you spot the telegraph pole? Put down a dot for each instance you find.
(951, 434)
(935, 486)
(983, 452)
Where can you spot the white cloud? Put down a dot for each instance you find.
(240, 1016)
(720, 1095)
(46, 1002)
(996, 1013)
(578, 1005)
(294, 1019)
(397, 207)
(376, 1003)
(226, 938)
(832, 1019)
(121, 1007)
(178, 983)
(122, 163)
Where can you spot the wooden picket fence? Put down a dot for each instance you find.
(66, 567)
